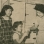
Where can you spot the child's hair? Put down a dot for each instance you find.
(5, 7)
(16, 24)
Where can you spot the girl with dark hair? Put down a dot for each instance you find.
(5, 25)
(18, 37)
(6, 7)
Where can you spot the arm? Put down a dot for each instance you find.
(17, 38)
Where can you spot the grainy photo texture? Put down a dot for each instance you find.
(21, 21)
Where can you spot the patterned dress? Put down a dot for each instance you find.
(5, 31)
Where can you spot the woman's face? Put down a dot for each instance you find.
(19, 28)
(8, 12)
(40, 14)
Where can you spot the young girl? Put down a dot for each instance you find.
(40, 23)
(5, 25)
(17, 36)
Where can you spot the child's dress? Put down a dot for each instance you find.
(5, 31)
(17, 35)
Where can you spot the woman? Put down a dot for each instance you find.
(5, 25)
(40, 23)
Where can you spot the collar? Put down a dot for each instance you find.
(18, 32)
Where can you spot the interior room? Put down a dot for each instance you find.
(23, 11)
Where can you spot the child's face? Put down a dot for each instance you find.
(8, 12)
(19, 28)
(40, 14)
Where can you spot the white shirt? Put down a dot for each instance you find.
(40, 22)
(16, 36)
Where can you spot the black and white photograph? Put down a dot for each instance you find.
(21, 21)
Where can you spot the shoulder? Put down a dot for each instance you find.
(15, 36)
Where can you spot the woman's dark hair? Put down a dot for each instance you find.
(39, 7)
(16, 24)
(5, 7)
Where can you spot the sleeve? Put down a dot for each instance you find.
(15, 36)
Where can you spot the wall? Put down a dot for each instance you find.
(19, 11)
(0, 5)
(31, 14)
